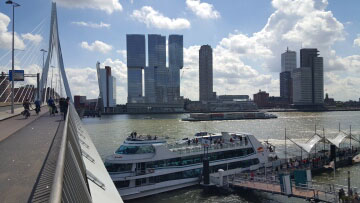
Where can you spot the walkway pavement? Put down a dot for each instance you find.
(12, 124)
(22, 155)
(5, 112)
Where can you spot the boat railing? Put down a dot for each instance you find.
(193, 147)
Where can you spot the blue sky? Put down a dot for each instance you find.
(247, 37)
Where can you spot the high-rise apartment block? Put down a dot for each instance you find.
(135, 46)
(107, 86)
(288, 64)
(176, 62)
(162, 84)
(286, 89)
(206, 74)
(308, 80)
(288, 60)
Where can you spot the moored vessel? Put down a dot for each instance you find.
(147, 165)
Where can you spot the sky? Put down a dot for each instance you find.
(247, 38)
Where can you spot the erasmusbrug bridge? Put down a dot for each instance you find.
(46, 158)
(52, 82)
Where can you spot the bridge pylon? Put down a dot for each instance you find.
(54, 48)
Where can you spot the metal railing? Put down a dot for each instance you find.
(70, 180)
(192, 148)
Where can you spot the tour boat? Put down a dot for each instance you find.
(148, 165)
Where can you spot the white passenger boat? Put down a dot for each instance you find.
(149, 165)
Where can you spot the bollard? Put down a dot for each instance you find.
(221, 177)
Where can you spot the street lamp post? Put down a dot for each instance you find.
(51, 87)
(13, 43)
(43, 51)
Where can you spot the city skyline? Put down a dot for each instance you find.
(246, 54)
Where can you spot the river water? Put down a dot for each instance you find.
(109, 132)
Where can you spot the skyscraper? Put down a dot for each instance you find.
(107, 86)
(176, 62)
(288, 64)
(302, 86)
(309, 79)
(206, 73)
(156, 75)
(135, 46)
(286, 83)
(288, 61)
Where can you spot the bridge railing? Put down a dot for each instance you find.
(70, 180)
(80, 174)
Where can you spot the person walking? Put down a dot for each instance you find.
(62, 105)
(26, 105)
(51, 105)
(37, 106)
(66, 105)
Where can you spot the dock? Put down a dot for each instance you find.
(311, 192)
(290, 182)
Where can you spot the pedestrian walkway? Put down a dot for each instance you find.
(6, 113)
(12, 124)
(23, 154)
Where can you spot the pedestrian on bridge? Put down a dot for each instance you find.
(62, 105)
(51, 105)
(66, 106)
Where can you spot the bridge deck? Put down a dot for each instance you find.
(23, 154)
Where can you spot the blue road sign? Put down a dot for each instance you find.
(18, 75)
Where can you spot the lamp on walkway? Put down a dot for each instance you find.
(43, 51)
(12, 68)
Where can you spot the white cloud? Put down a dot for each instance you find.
(357, 41)
(203, 10)
(33, 38)
(83, 81)
(122, 53)
(97, 46)
(91, 24)
(109, 6)
(6, 37)
(153, 18)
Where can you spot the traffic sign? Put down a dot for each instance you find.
(18, 75)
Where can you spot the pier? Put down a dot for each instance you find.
(279, 177)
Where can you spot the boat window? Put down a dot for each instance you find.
(118, 167)
(135, 149)
(139, 182)
(122, 184)
(198, 158)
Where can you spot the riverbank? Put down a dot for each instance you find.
(260, 110)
